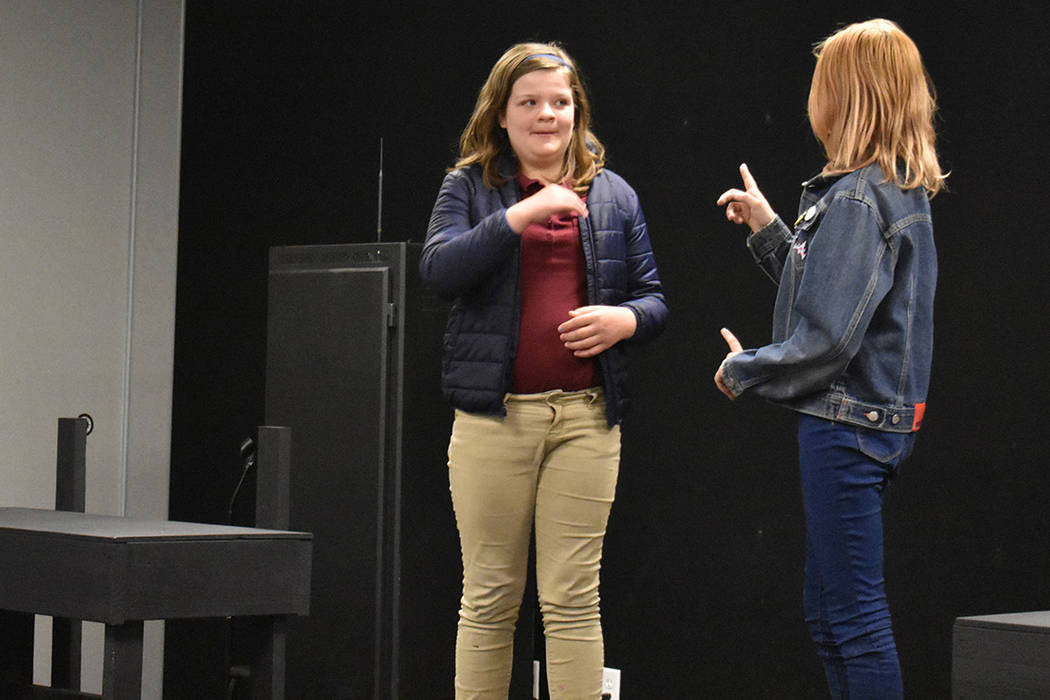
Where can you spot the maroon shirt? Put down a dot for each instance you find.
(553, 281)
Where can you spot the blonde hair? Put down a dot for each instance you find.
(871, 100)
(484, 140)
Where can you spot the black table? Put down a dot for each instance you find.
(122, 571)
(1001, 656)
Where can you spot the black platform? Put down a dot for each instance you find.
(122, 571)
(1001, 657)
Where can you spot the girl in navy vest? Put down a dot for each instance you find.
(546, 257)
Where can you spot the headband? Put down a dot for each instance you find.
(555, 57)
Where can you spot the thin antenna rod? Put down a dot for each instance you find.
(379, 215)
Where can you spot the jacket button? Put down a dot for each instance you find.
(896, 419)
(810, 213)
(873, 416)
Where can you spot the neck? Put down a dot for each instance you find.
(544, 172)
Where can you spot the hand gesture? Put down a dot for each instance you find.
(552, 199)
(747, 206)
(734, 348)
(593, 329)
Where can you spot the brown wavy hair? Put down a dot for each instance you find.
(484, 141)
(872, 100)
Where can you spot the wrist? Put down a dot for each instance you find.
(630, 322)
(756, 226)
(518, 217)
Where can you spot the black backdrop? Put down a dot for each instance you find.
(284, 108)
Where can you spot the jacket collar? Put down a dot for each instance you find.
(821, 180)
(507, 166)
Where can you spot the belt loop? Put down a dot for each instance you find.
(550, 396)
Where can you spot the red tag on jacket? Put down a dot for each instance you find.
(920, 411)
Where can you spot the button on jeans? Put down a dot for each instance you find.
(845, 470)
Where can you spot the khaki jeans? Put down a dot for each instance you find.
(552, 462)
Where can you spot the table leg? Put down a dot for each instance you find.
(66, 642)
(16, 649)
(122, 666)
(268, 658)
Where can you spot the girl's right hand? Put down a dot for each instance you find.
(747, 206)
(552, 199)
(735, 348)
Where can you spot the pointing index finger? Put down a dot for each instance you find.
(734, 344)
(749, 182)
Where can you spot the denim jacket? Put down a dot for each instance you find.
(853, 321)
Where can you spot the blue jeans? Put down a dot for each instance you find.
(844, 472)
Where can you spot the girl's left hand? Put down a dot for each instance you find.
(749, 205)
(734, 348)
(591, 330)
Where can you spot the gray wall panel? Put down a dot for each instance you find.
(88, 231)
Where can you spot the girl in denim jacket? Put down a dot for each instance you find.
(852, 330)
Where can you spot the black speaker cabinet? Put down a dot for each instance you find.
(353, 367)
(999, 657)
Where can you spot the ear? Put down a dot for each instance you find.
(503, 119)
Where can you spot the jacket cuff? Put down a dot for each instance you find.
(730, 379)
(767, 239)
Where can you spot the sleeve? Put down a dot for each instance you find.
(848, 269)
(644, 291)
(459, 253)
(769, 247)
